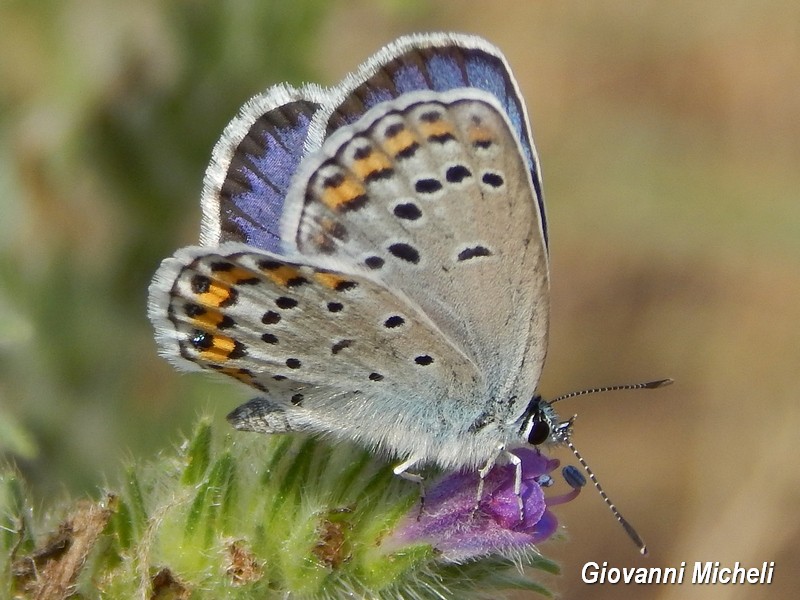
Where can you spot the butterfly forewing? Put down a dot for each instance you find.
(437, 63)
(431, 195)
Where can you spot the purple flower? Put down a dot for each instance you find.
(458, 532)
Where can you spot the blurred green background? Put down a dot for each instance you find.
(669, 135)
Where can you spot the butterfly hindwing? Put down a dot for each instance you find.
(302, 334)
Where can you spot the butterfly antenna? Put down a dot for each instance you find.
(648, 385)
(617, 515)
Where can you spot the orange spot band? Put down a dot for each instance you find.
(329, 280)
(217, 294)
(399, 142)
(339, 196)
(210, 319)
(373, 163)
(283, 274)
(436, 129)
(234, 275)
(221, 349)
(480, 134)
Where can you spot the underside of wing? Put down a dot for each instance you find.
(436, 62)
(302, 334)
(432, 196)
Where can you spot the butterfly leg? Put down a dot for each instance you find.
(484, 471)
(263, 415)
(515, 460)
(402, 471)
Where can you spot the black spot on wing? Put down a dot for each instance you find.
(285, 302)
(457, 174)
(427, 186)
(494, 180)
(345, 285)
(407, 211)
(200, 284)
(394, 321)
(473, 252)
(270, 317)
(374, 262)
(405, 252)
(340, 345)
(379, 174)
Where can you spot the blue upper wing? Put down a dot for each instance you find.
(251, 168)
(260, 150)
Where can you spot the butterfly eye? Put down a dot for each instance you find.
(540, 431)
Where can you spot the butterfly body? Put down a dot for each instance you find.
(374, 260)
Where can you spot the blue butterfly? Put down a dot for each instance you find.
(374, 261)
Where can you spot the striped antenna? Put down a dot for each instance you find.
(648, 385)
(635, 537)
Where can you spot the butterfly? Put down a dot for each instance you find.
(374, 261)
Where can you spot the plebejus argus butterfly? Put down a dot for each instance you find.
(374, 262)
